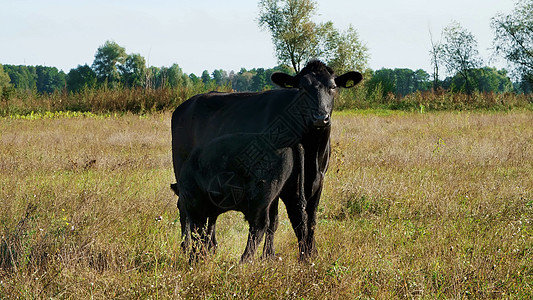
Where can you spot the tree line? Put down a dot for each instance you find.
(297, 39)
(399, 81)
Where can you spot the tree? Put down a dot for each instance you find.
(293, 32)
(194, 79)
(513, 39)
(242, 81)
(259, 81)
(22, 77)
(176, 77)
(297, 39)
(206, 79)
(41, 79)
(133, 71)
(459, 52)
(5, 81)
(435, 53)
(220, 77)
(106, 61)
(383, 81)
(421, 81)
(49, 79)
(400, 82)
(80, 78)
(344, 51)
(483, 80)
(493, 80)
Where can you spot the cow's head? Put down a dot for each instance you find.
(319, 83)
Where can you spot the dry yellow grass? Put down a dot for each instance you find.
(433, 205)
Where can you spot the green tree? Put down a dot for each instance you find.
(80, 78)
(49, 79)
(405, 81)
(133, 71)
(5, 81)
(106, 61)
(242, 81)
(176, 77)
(513, 39)
(400, 82)
(459, 53)
(484, 80)
(297, 39)
(206, 79)
(493, 80)
(383, 81)
(259, 81)
(22, 77)
(194, 79)
(164, 77)
(284, 68)
(343, 51)
(220, 77)
(293, 33)
(422, 81)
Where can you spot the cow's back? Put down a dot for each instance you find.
(205, 117)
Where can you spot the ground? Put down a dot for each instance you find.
(431, 205)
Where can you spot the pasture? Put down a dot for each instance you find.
(415, 205)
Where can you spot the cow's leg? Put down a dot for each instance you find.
(311, 209)
(211, 232)
(298, 217)
(258, 225)
(268, 249)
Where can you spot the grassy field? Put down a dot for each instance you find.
(432, 205)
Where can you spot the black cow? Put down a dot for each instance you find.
(205, 117)
(227, 174)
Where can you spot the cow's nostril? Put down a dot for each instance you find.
(322, 121)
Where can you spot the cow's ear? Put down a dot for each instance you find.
(284, 80)
(349, 79)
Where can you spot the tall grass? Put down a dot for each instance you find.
(361, 98)
(140, 101)
(434, 205)
(102, 100)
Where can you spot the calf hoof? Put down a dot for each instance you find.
(246, 259)
(212, 248)
(271, 257)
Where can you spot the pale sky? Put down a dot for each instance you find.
(214, 34)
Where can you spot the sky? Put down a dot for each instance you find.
(214, 34)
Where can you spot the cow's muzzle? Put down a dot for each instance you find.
(321, 121)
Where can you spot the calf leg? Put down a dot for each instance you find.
(268, 249)
(258, 226)
(199, 237)
(211, 232)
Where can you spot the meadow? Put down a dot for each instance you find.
(415, 205)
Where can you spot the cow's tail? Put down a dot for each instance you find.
(184, 218)
(174, 187)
